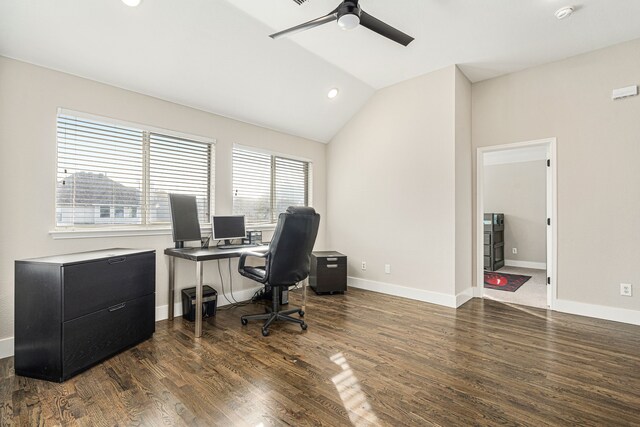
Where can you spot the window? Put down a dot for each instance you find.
(115, 174)
(264, 185)
(105, 212)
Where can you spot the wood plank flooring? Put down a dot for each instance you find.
(366, 359)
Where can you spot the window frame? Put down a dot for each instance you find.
(274, 155)
(145, 228)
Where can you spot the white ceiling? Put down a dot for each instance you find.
(216, 55)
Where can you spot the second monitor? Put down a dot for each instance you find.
(228, 227)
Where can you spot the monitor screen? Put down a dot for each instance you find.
(228, 227)
(184, 218)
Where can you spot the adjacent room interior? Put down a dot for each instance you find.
(514, 189)
(315, 212)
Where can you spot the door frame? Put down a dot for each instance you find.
(552, 213)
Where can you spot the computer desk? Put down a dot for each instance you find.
(199, 255)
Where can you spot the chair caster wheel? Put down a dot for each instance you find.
(244, 321)
(303, 326)
(265, 332)
(301, 313)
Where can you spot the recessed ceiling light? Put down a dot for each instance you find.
(131, 3)
(564, 12)
(332, 93)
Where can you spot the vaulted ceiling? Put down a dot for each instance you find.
(216, 55)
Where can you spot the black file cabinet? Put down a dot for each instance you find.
(73, 311)
(493, 241)
(328, 272)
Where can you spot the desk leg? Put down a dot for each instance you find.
(172, 284)
(199, 299)
(304, 295)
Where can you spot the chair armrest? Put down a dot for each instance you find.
(244, 255)
(250, 272)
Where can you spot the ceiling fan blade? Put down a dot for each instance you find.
(386, 30)
(307, 25)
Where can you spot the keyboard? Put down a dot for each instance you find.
(235, 246)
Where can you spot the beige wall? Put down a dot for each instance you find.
(463, 182)
(598, 153)
(391, 185)
(29, 98)
(519, 191)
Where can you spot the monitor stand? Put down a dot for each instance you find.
(179, 245)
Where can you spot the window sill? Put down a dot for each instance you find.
(263, 227)
(93, 233)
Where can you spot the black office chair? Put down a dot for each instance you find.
(287, 262)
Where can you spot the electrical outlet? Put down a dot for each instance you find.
(626, 290)
(364, 265)
(387, 268)
(514, 250)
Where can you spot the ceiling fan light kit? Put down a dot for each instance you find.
(564, 12)
(132, 3)
(349, 15)
(349, 21)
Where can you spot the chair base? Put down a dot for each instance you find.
(274, 314)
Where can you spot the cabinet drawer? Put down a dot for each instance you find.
(92, 286)
(334, 279)
(337, 260)
(487, 238)
(92, 338)
(487, 262)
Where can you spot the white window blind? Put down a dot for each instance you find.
(265, 185)
(178, 165)
(110, 174)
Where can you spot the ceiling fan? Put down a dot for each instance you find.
(349, 15)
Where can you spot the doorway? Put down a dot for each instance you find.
(518, 179)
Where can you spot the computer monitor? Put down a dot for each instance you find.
(228, 227)
(184, 218)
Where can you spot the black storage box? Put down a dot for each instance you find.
(209, 302)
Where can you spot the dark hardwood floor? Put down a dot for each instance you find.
(366, 359)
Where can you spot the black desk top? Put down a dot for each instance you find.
(198, 254)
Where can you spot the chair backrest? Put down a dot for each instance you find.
(291, 245)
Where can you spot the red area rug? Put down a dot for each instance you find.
(504, 281)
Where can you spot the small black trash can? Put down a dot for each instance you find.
(209, 302)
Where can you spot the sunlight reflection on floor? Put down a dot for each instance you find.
(354, 400)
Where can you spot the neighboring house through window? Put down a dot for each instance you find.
(112, 173)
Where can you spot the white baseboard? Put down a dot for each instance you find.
(477, 292)
(162, 311)
(403, 291)
(464, 296)
(598, 311)
(525, 264)
(6, 347)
